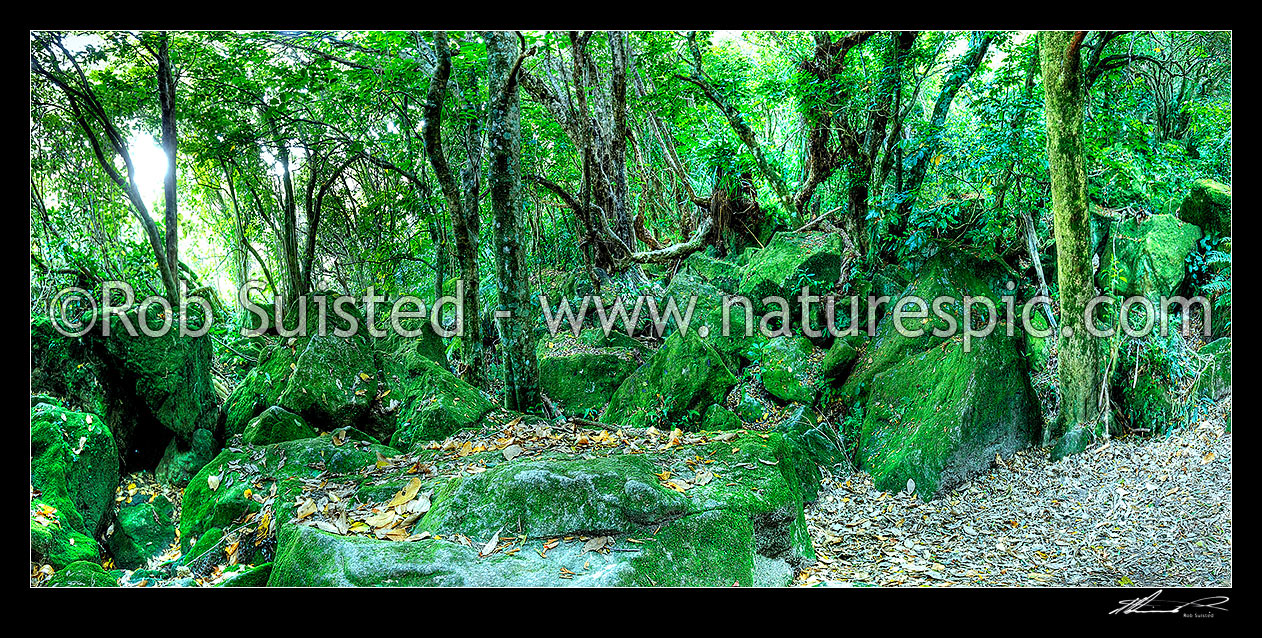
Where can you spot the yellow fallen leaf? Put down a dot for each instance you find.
(406, 494)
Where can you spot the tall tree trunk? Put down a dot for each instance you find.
(464, 215)
(166, 101)
(515, 317)
(1064, 96)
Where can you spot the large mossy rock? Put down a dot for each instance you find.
(840, 358)
(184, 456)
(789, 262)
(74, 470)
(1215, 379)
(675, 386)
(1208, 205)
(931, 411)
(787, 369)
(260, 389)
(216, 497)
(1147, 258)
(429, 402)
(721, 274)
(745, 528)
(169, 373)
(579, 375)
(277, 425)
(82, 574)
(144, 528)
(329, 381)
(63, 367)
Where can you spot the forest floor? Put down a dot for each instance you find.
(1129, 511)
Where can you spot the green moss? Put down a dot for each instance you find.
(82, 574)
(205, 507)
(171, 373)
(552, 498)
(674, 387)
(206, 551)
(1208, 205)
(718, 418)
(58, 545)
(334, 383)
(259, 390)
(142, 531)
(276, 424)
(932, 412)
(1147, 259)
(790, 261)
(785, 369)
(183, 458)
(430, 403)
(74, 466)
(721, 274)
(840, 358)
(580, 380)
(746, 527)
(255, 576)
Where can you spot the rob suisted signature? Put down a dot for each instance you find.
(1151, 605)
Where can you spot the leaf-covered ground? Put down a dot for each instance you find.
(1130, 511)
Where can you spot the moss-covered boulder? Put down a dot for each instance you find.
(1215, 379)
(82, 574)
(675, 386)
(721, 274)
(718, 418)
(840, 358)
(184, 456)
(1208, 205)
(329, 381)
(235, 482)
(789, 262)
(63, 369)
(247, 576)
(732, 345)
(144, 528)
(931, 411)
(170, 373)
(276, 425)
(55, 544)
(1147, 258)
(603, 518)
(429, 403)
(787, 369)
(335, 384)
(74, 469)
(579, 378)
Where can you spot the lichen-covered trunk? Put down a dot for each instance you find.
(1064, 94)
(515, 316)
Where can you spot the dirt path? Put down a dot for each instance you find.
(1147, 512)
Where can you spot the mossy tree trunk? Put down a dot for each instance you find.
(464, 213)
(517, 345)
(1064, 95)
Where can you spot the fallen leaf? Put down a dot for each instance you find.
(406, 494)
(489, 548)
